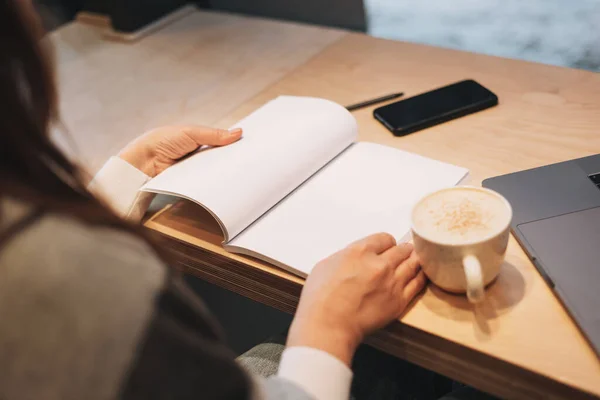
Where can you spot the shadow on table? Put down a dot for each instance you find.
(501, 297)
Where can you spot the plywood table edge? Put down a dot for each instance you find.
(259, 284)
(199, 244)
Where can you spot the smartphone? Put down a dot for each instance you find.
(435, 107)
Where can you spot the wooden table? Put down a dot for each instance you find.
(521, 343)
(197, 70)
(214, 69)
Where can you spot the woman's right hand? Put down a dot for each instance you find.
(354, 292)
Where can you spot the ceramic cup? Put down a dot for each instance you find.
(464, 266)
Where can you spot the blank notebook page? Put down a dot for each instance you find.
(369, 188)
(284, 142)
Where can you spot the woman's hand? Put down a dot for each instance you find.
(160, 148)
(355, 292)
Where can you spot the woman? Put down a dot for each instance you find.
(88, 308)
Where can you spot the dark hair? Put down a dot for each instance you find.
(32, 167)
(34, 170)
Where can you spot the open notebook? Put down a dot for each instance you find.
(297, 187)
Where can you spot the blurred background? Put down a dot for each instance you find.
(557, 32)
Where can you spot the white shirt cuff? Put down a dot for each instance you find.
(118, 183)
(319, 373)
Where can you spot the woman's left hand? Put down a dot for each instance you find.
(160, 148)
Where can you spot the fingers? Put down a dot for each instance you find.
(395, 255)
(405, 273)
(413, 287)
(211, 136)
(408, 269)
(377, 243)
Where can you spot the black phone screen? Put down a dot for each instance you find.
(435, 107)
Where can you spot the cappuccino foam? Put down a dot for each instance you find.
(460, 215)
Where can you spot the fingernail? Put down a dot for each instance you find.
(234, 131)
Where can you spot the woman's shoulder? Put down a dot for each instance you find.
(59, 255)
(61, 241)
(77, 298)
(56, 252)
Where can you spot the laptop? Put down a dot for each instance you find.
(556, 220)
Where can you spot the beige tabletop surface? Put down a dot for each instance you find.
(195, 70)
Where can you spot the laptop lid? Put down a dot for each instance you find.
(557, 222)
(566, 249)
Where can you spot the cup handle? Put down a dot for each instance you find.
(474, 276)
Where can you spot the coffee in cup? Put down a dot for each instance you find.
(460, 235)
